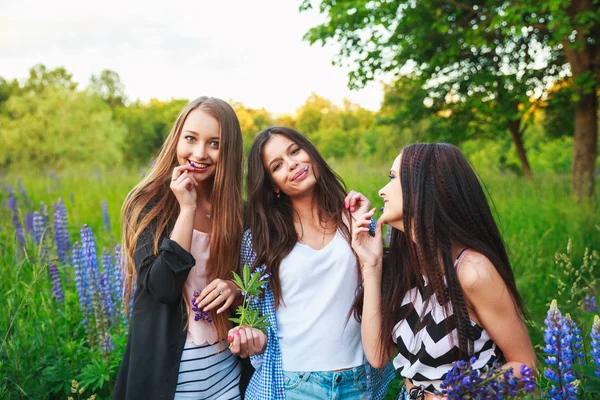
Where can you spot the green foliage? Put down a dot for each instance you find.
(58, 127)
(147, 126)
(250, 286)
(108, 86)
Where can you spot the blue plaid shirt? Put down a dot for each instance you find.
(267, 381)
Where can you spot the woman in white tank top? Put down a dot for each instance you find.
(299, 229)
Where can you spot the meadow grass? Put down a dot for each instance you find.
(42, 343)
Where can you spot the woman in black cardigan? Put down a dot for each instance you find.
(182, 227)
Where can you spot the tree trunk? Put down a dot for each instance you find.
(517, 137)
(585, 145)
(581, 56)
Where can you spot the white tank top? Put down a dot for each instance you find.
(318, 288)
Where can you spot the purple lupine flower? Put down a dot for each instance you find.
(491, 382)
(107, 344)
(39, 234)
(81, 283)
(45, 218)
(61, 231)
(577, 344)
(38, 227)
(24, 194)
(559, 338)
(589, 303)
(595, 344)
(105, 216)
(100, 303)
(108, 297)
(199, 314)
(12, 204)
(29, 222)
(528, 378)
(117, 278)
(57, 290)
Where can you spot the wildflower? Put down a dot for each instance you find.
(105, 216)
(57, 291)
(117, 277)
(589, 303)
(107, 344)
(81, 282)
(12, 204)
(595, 344)
(24, 194)
(61, 231)
(559, 338)
(29, 222)
(105, 283)
(199, 314)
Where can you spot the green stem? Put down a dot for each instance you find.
(243, 311)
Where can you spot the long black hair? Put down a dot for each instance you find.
(271, 218)
(443, 204)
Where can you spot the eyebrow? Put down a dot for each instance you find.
(197, 134)
(277, 158)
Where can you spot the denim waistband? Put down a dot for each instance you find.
(346, 375)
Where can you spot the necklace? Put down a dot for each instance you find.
(208, 215)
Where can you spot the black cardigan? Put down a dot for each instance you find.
(157, 332)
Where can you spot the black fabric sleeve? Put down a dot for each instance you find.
(162, 276)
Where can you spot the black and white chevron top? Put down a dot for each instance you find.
(426, 350)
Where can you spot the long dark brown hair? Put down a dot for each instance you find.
(271, 219)
(443, 203)
(152, 204)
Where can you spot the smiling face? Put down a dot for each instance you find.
(289, 166)
(198, 144)
(392, 198)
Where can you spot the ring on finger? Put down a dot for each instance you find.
(220, 292)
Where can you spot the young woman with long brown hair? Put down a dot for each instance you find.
(182, 228)
(300, 232)
(444, 291)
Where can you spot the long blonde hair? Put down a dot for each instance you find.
(151, 203)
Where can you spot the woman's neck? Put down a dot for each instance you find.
(306, 211)
(204, 196)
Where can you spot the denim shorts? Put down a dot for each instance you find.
(348, 384)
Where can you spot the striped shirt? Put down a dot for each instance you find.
(427, 340)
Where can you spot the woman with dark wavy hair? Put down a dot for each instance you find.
(444, 291)
(299, 230)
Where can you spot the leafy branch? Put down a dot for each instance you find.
(250, 284)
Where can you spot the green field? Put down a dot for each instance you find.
(44, 344)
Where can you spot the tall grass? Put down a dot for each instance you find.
(43, 344)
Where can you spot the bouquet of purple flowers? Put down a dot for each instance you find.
(464, 382)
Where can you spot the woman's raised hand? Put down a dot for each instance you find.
(183, 185)
(369, 249)
(356, 203)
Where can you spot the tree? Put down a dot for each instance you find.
(454, 44)
(108, 86)
(569, 30)
(8, 89)
(57, 128)
(41, 78)
(470, 65)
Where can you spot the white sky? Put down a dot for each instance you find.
(245, 50)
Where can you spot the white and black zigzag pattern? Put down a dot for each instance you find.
(427, 341)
